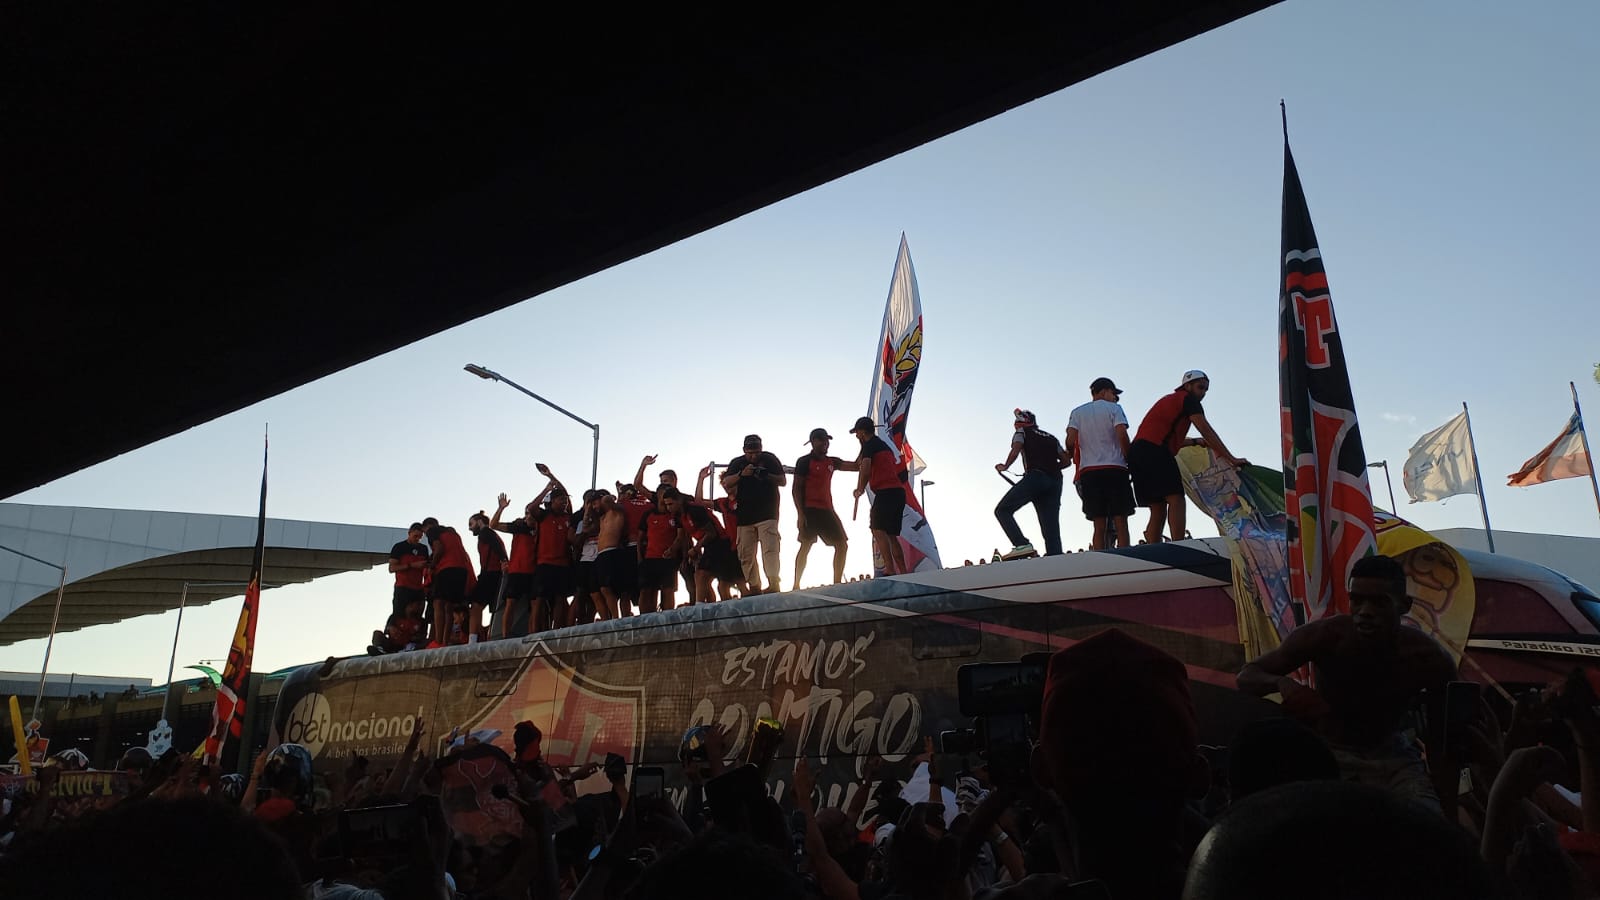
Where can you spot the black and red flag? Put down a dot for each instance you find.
(1327, 498)
(227, 717)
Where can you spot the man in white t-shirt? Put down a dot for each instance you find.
(1097, 438)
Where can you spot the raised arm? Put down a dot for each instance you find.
(638, 477)
(501, 502)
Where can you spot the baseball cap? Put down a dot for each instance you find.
(1193, 375)
(752, 442)
(1023, 415)
(1101, 384)
(819, 434)
(864, 423)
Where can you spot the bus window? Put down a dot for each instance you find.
(1505, 607)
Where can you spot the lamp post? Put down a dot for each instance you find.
(492, 375)
(183, 600)
(55, 619)
(922, 488)
(1384, 465)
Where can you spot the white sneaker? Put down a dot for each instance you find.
(1020, 551)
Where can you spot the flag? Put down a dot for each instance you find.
(897, 357)
(1440, 463)
(1564, 457)
(1329, 522)
(227, 717)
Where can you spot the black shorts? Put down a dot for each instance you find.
(612, 570)
(824, 524)
(629, 585)
(718, 559)
(888, 510)
(584, 581)
(487, 590)
(519, 585)
(552, 582)
(403, 596)
(1155, 473)
(1106, 493)
(658, 575)
(450, 585)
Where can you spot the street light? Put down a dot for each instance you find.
(922, 487)
(492, 375)
(1384, 465)
(55, 619)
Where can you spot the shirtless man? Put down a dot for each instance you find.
(1369, 670)
(611, 570)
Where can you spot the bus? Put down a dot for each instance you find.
(862, 668)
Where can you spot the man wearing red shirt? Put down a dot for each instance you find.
(1152, 457)
(885, 474)
(813, 503)
(662, 546)
(452, 572)
(552, 575)
(408, 560)
(516, 610)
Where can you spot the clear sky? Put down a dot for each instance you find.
(1127, 226)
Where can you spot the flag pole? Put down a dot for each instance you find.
(1478, 474)
(1584, 436)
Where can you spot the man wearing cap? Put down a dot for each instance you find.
(813, 504)
(885, 473)
(753, 479)
(1369, 671)
(1097, 439)
(1043, 458)
(408, 559)
(1152, 457)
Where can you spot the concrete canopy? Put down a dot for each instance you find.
(196, 188)
(123, 563)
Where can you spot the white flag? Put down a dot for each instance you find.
(896, 359)
(1440, 464)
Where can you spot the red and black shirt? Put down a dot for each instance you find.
(818, 474)
(1167, 422)
(555, 538)
(404, 552)
(888, 473)
(491, 551)
(524, 547)
(448, 551)
(660, 534)
(701, 524)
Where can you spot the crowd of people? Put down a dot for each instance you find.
(622, 553)
(1114, 472)
(1373, 783)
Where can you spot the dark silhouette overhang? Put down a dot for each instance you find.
(206, 205)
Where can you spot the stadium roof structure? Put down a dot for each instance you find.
(123, 563)
(234, 200)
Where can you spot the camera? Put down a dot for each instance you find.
(1003, 700)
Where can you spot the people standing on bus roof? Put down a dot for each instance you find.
(885, 473)
(587, 600)
(452, 578)
(753, 478)
(552, 573)
(408, 559)
(813, 504)
(1152, 457)
(513, 616)
(662, 546)
(1097, 439)
(617, 579)
(727, 508)
(1043, 459)
(491, 573)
